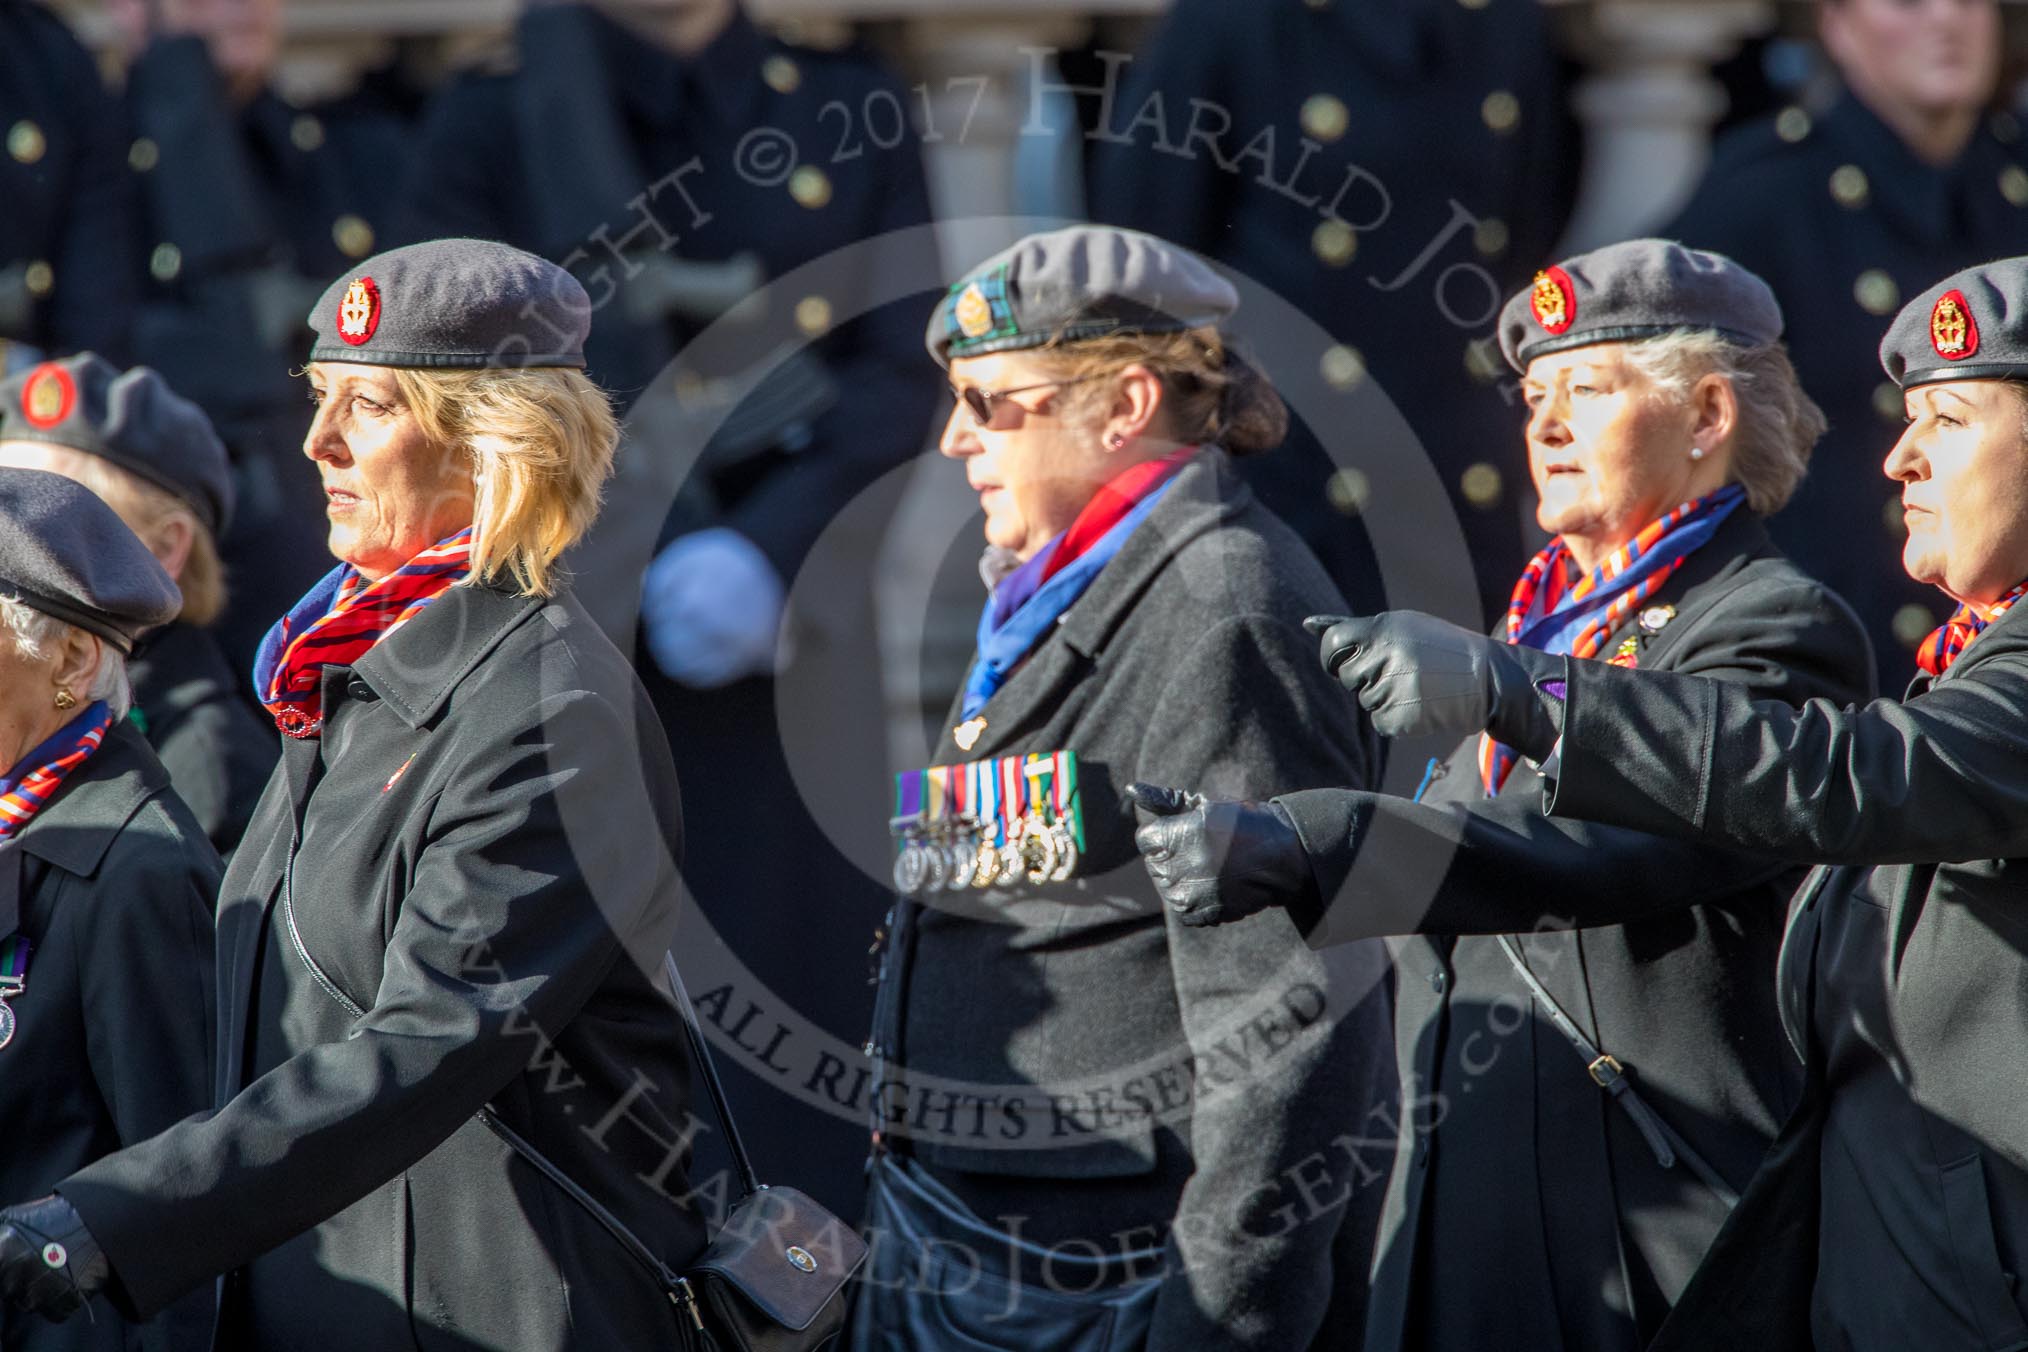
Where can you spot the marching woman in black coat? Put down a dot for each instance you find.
(105, 883)
(1544, 1196)
(1102, 1105)
(448, 899)
(1893, 1211)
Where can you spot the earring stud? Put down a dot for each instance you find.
(1696, 452)
(65, 700)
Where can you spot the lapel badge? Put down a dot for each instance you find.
(1629, 653)
(1655, 618)
(967, 733)
(395, 778)
(1952, 331)
(359, 312)
(1553, 300)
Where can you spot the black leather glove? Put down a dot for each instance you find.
(1414, 673)
(1217, 862)
(49, 1262)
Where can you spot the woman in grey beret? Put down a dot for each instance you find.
(1552, 1191)
(450, 898)
(105, 885)
(1055, 1103)
(1892, 1212)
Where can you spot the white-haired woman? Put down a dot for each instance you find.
(1550, 1193)
(105, 880)
(451, 896)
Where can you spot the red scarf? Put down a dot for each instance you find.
(354, 615)
(1120, 495)
(48, 765)
(1966, 623)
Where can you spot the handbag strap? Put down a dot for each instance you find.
(1610, 1075)
(707, 1070)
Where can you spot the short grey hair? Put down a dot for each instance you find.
(37, 636)
(1779, 424)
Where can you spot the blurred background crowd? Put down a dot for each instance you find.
(183, 178)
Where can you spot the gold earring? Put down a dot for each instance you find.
(65, 700)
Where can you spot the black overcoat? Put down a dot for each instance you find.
(113, 881)
(1143, 1076)
(200, 719)
(1594, 1239)
(483, 866)
(1893, 1211)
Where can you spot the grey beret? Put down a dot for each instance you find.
(1642, 288)
(131, 418)
(454, 303)
(65, 553)
(1973, 325)
(1088, 281)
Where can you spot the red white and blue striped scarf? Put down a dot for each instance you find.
(1949, 642)
(342, 617)
(48, 765)
(1580, 619)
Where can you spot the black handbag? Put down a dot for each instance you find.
(774, 1277)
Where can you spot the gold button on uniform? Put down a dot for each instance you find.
(1914, 623)
(1876, 292)
(40, 279)
(2014, 185)
(1490, 237)
(26, 143)
(1348, 491)
(1325, 117)
(353, 236)
(1343, 367)
(1335, 243)
(813, 316)
(1889, 404)
(1792, 125)
(166, 263)
(811, 187)
(308, 133)
(1849, 187)
(782, 75)
(1483, 361)
(1481, 485)
(1475, 4)
(143, 156)
(1502, 111)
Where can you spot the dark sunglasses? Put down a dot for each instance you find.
(981, 401)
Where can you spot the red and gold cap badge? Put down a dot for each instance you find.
(1952, 330)
(359, 312)
(48, 396)
(1554, 300)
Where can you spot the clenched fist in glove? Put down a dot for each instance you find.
(49, 1262)
(1217, 862)
(1414, 673)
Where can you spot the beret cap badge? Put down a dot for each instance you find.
(1952, 330)
(973, 312)
(1553, 300)
(48, 396)
(359, 312)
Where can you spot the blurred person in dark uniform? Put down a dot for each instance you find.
(1847, 211)
(66, 241)
(1389, 169)
(153, 457)
(616, 141)
(249, 204)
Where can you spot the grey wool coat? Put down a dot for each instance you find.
(1893, 1211)
(452, 899)
(111, 882)
(1526, 1209)
(1139, 1076)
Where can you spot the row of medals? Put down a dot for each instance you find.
(953, 855)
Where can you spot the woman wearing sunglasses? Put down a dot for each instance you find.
(1094, 1104)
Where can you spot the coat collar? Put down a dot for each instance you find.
(74, 829)
(2006, 635)
(415, 669)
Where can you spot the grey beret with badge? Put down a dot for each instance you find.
(1973, 325)
(130, 418)
(64, 552)
(1642, 288)
(1079, 283)
(454, 304)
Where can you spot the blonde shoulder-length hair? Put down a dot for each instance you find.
(541, 446)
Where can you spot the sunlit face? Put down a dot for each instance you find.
(1963, 469)
(1033, 471)
(1930, 55)
(1608, 450)
(389, 492)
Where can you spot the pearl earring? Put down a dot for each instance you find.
(1696, 452)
